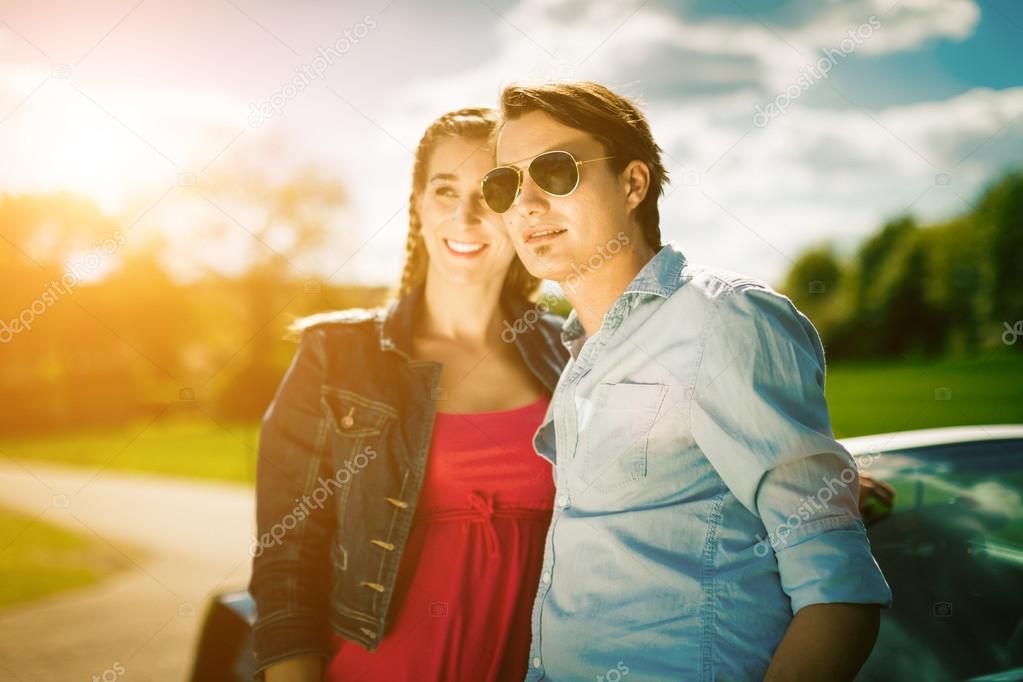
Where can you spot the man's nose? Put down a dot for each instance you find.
(532, 200)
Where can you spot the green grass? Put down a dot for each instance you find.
(196, 447)
(38, 559)
(900, 395)
(864, 398)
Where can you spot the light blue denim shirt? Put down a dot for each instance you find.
(701, 499)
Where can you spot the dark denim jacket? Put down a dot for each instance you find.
(342, 454)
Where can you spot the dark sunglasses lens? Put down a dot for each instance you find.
(555, 172)
(499, 189)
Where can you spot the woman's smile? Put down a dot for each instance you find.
(464, 249)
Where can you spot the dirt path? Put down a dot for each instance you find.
(184, 539)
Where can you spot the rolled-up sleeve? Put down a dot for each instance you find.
(809, 510)
(759, 415)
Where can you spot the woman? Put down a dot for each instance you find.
(400, 503)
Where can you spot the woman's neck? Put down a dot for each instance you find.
(455, 311)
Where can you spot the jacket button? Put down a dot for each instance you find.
(348, 421)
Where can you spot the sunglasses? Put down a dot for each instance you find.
(556, 173)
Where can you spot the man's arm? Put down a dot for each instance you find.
(825, 566)
(825, 642)
(761, 417)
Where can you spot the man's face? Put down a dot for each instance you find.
(584, 222)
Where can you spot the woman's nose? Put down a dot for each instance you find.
(470, 210)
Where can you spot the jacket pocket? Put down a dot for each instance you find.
(353, 415)
(615, 452)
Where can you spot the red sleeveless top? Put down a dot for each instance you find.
(471, 567)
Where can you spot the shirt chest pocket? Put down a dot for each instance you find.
(615, 440)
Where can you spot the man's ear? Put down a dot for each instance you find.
(635, 182)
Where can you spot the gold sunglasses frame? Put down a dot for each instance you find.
(520, 174)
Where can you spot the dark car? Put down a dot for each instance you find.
(951, 549)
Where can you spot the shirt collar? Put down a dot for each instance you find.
(659, 277)
(571, 331)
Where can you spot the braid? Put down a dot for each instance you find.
(414, 271)
(471, 123)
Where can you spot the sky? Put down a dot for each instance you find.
(784, 124)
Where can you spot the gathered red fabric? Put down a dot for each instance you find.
(471, 567)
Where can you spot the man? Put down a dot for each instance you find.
(706, 522)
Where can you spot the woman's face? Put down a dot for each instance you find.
(465, 240)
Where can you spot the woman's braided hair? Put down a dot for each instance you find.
(475, 123)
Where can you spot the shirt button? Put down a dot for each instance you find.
(546, 577)
(563, 501)
(536, 662)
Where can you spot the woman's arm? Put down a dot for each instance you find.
(291, 566)
(877, 499)
(297, 669)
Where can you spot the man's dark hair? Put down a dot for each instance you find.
(613, 120)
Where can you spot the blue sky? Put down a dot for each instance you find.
(989, 57)
(118, 99)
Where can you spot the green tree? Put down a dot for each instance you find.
(814, 283)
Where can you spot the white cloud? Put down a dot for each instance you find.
(812, 174)
(618, 39)
(820, 174)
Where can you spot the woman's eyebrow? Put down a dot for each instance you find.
(443, 176)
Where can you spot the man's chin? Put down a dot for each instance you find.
(543, 261)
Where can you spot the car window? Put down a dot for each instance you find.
(952, 551)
